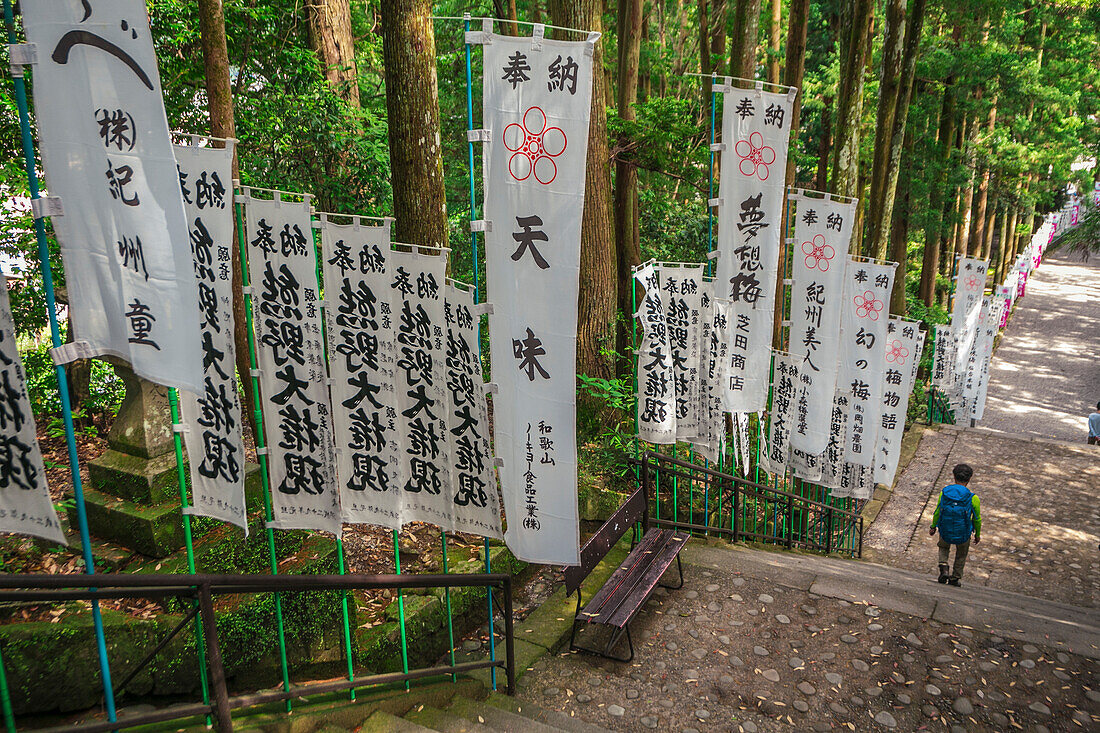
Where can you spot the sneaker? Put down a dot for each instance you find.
(954, 581)
(943, 574)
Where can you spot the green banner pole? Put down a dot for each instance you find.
(477, 298)
(59, 370)
(447, 601)
(401, 609)
(200, 644)
(5, 700)
(261, 454)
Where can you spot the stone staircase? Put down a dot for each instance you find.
(497, 712)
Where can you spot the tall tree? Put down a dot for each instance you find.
(966, 245)
(712, 44)
(219, 104)
(888, 148)
(412, 106)
(980, 232)
(719, 10)
(899, 234)
(855, 28)
(934, 229)
(775, 37)
(626, 175)
(332, 41)
(746, 34)
(793, 72)
(598, 296)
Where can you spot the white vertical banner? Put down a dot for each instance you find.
(712, 432)
(966, 312)
(786, 385)
(214, 426)
(108, 159)
(755, 135)
(822, 232)
(943, 358)
(977, 376)
(914, 367)
(656, 415)
(703, 438)
(475, 500)
(536, 108)
(832, 460)
(417, 280)
(741, 423)
(903, 343)
(282, 270)
(25, 504)
(863, 355)
(681, 284)
(361, 339)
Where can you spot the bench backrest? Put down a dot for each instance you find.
(599, 544)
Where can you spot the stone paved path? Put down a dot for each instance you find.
(1041, 517)
(1045, 374)
(753, 642)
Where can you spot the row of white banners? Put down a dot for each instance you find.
(372, 391)
(963, 349)
(374, 404)
(839, 395)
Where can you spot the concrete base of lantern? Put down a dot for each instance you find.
(140, 509)
(146, 481)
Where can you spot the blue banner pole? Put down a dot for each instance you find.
(62, 382)
(477, 298)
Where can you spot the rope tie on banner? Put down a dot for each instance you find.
(487, 26)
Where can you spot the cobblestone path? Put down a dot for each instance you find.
(739, 649)
(1040, 514)
(1045, 374)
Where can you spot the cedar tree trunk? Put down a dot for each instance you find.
(412, 107)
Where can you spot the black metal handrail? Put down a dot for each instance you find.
(739, 490)
(202, 588)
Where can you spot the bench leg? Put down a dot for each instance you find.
(606, 653)
(615, 640)
(680, 570)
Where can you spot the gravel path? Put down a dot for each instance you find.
(1041, 520)
(894, 530)
(735, 651)
(1045, 374)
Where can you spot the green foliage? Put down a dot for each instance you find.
(611, 446)
(1085, 237)
(105, 395)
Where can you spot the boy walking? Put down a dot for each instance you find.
(958, 515)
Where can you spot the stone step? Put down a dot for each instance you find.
(496, 717)
(383, 722)
(444, 721)
(553, 718)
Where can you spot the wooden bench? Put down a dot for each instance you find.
(628, 588)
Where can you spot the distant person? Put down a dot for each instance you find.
(1094, 426)
(958, 515)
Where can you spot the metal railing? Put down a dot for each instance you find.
(705, 501)
(201, 589)
(939, 408)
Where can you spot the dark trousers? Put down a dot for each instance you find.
(961, 551)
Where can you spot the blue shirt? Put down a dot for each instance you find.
(1094, 424)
